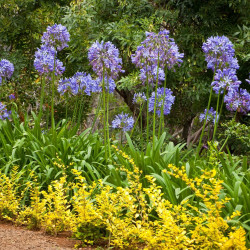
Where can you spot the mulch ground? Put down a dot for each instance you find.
(19, 238)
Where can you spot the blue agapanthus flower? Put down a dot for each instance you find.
(6, 69)
(238, 100)
(105, 56)
(109, 84)
(219, 53)
(139, 98)
(210, 115)
(123, 121)
(45, 61)
(150, 74)
(166, 102)
(225, 79)
(4, 113)
(12, 97)
(156, 48)
(56, 36)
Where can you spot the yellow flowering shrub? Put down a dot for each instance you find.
(130, 217)
(9, 198)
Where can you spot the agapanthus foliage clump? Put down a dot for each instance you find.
(225, 79)
(123, 121)
(238, 100)
(156, 50)
(164, 102)
(4, 113)
(210, 115)
(45, 61)
(219, 53)
(56, 36)
(104, 57)
(139, 98)
(6, 69)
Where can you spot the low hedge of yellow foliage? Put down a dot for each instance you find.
(131, 217)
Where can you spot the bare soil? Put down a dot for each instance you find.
(19, 238)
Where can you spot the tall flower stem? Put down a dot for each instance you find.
(104, 114)
(156, 85)
(218, 119)
(204, 124)
(141, 108)
(147, 104)
(41, 99)
(161, 125)
(97, 112)
(67, 104)
(216, 115)
(52, 98)
(107, 119)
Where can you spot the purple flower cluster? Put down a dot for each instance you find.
(46, 62)
(54, 39)
(166, 102)
(6, 69)
(139, 98)
(105, 57)
(78, 83)
(123, 121)
(12, 97)
(156, 48)
(219, 53)
(4, 113)
(109, 84)
(210, 115)
(225, 79)
(238, 100)
(56, 36)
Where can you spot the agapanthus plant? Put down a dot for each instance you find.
(238, 100)
(166, 102)
(56, 36)
(105, 57)
(4, 113)
(123, 121)
(45, 61)
(210, 115)
(6, 69)
(12, 97)
(225, 79)
(139, 98)
(109, 84)
(157, 48)
(219, 53)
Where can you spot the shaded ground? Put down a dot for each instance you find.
(19, 238)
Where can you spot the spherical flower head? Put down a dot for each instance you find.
(150, 74)
(6, 69)
(123, 121)
(109, 84)
(4, 113)
(219, 53)
(238, 100)
(45, 61)
(105, 57)
(157, 48)
(225, 79)
(166, 102)
(12, 97)
(56, 36)
(64, 86)
(139, 98)
(210, 115)
(87, 84)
